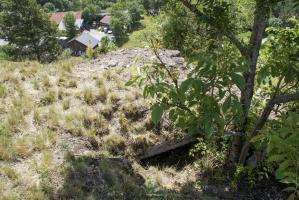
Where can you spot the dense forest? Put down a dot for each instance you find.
(179, 99)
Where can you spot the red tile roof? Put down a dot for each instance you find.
(106, 20)
(58, 16)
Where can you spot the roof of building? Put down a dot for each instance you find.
(97, 34)
(57, 17)
(106, 19)
(86, 39)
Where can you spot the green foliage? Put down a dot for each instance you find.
(210, 154)
(125, 16)
(283, 149)
(281, 56)
(69, 22)
(88, 14)
(49, 7)
(106, 45)
(196, 103)
(29, 30)
(253, 175)
(91, 53)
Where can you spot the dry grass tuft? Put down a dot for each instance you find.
(89, 97)
(49, 98)
(115, 143)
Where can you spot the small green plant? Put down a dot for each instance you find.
(283, 149)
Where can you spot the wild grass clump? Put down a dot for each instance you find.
(66, 104)
(101, 126)
(2, 91)
(140, 143)
(114, 99)
(44, 139)
(9, 172)
(5, 142)
(133, 110)
(100, 82)
(49, 98)
(23, 146)
(72, 83)
(46, 81)
(89, 97)
(36, 84)
(108, 75)
(107, 111)
(115, 143)
(123, 122)
(73, 124)
(53, 117)
(103, 93)
(15, 118)
(37, 118)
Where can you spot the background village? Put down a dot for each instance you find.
(88, 36)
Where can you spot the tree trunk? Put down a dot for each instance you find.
(261, 16)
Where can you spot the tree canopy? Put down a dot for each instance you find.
(27, 28)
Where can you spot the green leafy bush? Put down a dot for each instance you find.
(283, 149)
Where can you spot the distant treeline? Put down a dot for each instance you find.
(73, 5)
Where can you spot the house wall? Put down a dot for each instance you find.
(77, 48)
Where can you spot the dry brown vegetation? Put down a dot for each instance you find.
(52, 114)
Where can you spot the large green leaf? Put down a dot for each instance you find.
(157, 112)
(238, 79)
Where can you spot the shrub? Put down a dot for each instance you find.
(91, 53)
(67, 53)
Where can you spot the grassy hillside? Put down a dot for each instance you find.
(137, 38)
(63, 122)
